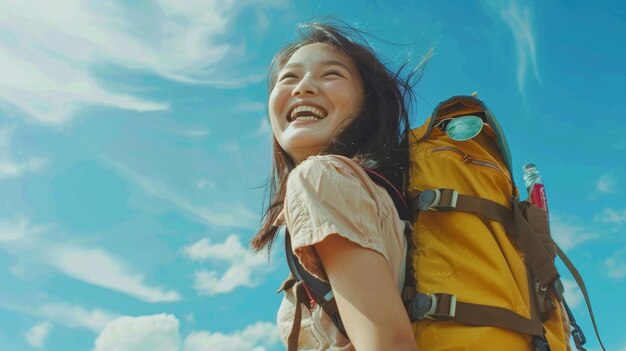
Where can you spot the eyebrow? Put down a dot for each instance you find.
(324, 63)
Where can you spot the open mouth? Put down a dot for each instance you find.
(306, 113)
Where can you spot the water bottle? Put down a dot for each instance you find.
(535, 187)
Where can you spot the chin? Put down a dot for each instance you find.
(300, 153)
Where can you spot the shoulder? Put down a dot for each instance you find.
(336, 179)
(327, 171)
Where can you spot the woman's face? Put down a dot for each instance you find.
(316, 94)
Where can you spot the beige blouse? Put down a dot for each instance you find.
(333, 195)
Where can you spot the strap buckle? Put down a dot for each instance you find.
(438, 310)
(440, 307)
(438, 200)
(578, 336)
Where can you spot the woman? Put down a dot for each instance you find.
(334, 109)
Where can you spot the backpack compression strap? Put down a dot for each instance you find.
(539, 260)
(538, 254)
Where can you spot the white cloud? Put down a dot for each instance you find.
(244, 267)
(52, 91)
(198, 133)
(18, 230)
(9, 167)
(256, 337)
(70, 316)
(250, 107)
(519, 19)
(51, 50)
(228, 215)
(573, 295)
(567, 234)
(92, 265)
(616, 269)
(36, 336)
(74, 316)
(203, 183)
(161, 333)
(146, 333)
(264, 129)
(610, 215)
(100, 268)
(607, 183)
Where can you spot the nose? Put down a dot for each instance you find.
(306, 86)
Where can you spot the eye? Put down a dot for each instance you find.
(333, 73)
(287, 75)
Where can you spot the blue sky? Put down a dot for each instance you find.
(134, 142)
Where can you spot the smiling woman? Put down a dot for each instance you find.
(335, 109)
(317, 93)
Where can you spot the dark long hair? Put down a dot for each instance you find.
(377, 138)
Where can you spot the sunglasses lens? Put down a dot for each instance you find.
(464, 128)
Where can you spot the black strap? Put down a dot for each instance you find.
(319, 290)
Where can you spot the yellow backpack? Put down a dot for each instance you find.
(480, 272)
(483, 261)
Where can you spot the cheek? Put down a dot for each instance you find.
(276, 104)
(349, 97)
(352, 103)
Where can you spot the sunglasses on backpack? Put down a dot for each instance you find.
(462, 128)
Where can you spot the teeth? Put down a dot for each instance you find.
(307, 111)
(306, 118)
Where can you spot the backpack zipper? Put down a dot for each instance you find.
(467, 158)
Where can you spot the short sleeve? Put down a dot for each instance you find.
(323, 198)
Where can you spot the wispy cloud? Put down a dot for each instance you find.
(51, 51)
(67, 315)
(197, 132)
(228, 215)
(567, 234)
(75, 316)
(18, 229)
(607, 183)
(160, 332)
(244, 267)
(610, 215)
(250, 106)
(98, 267)
(9, 166)
(36, 336)
(615, 267)
(205, 184)
(573, 295)
(52, 91)
(92, 265)
(518, 17)
(264, 129)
